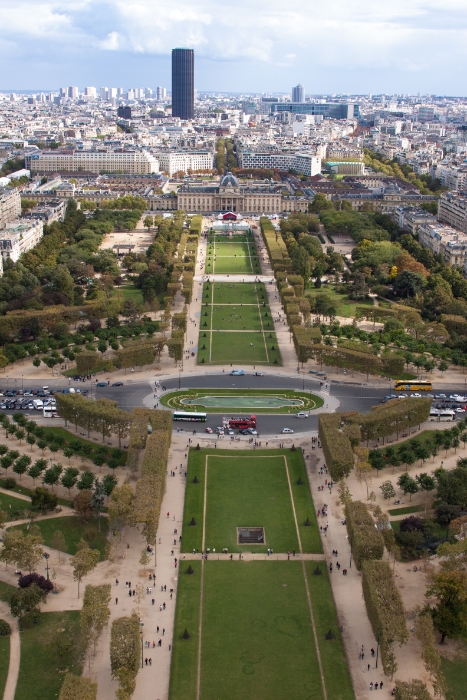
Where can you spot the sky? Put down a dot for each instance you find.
(337, 46)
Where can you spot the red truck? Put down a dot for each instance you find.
(239, 423)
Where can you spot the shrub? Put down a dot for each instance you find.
(39, 580)
(365, 539)
(411, 524)
(190, 570)
(5, 629)
(385, 610)
(9, 483)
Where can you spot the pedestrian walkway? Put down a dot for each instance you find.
(15, 652)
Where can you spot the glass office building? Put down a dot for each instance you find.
(183, 88)
(331, 110)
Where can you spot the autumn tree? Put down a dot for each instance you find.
(78, 688)
(125, 653)
(84, 561)
(95, 612)
(450, 612)
(24, 551)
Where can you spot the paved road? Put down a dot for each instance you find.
(350, 396)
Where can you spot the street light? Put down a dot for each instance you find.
(46, 557)
(141, 633)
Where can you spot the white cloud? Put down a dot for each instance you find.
(303, 36)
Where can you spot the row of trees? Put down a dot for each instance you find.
(102, 416)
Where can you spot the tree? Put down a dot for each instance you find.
(52, 475)
(69, 478)
(86, 480)
(95, 612)
(426, 484)
(121, 504)
(97, 500)
(58, 542)
(31, 440)
(450, 613)
(144, 558)
(84, 561)
(82, 504)
(109, 482)
(412, 690)
(125, 652)
(407, 484)
(452, 486)
(388, 490)
(148, 222)
(425, 633)
(78, 688)
(21, 465)
(24, 603)
(23, 550)
(42, 498)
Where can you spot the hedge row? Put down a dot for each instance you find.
(391, 418)
(366, 541)
(275, 245)
(360, 361)
(196, 225)
(385, 610)
(304, 340)
(336, 446)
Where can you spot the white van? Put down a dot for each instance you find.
(38, 404)
(302, 414)
(48, 411)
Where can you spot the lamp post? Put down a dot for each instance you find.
(22, 383)
(141, 633)
(46, 557)
(377, 649)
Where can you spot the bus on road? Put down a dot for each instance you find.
(190, 416)
(444, 414)
(413, 385)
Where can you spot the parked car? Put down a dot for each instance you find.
(209, 430)
(117, 384)
(252, 431)
(237, 372)
(440, 396)
(101, 384)
(244, 431)
(287, 430)
(259, 374)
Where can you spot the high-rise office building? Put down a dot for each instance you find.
(298, 93)
(183, 88)
(104, 93)
(73, 92)
(161, 93)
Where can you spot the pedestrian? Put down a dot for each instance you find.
(116, 601)
(371, 686)
(163, 606)
(376, 686)
(150, 662)
(157, 629)
(372, 651)
(146, 661)
(116, 581)
(368, 667)
(152, 601)
(163, 631)
(381, 685)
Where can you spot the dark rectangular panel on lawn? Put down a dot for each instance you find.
(242, 492)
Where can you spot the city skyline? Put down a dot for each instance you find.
(408, 47)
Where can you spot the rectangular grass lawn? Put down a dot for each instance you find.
(42, 669)
(257, 640)
(73, 529)
(246, 489)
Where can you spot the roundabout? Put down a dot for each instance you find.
(278, 401)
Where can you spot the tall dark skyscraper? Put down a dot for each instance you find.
(183, 83)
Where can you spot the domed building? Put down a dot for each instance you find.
(231, 196)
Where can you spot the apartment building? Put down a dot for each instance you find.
(411, 218)
(49, 211)
(19, 236)
(451, 244)
(304, 163)
(10, 205)
(174, 162)
(116, 160)
(452, 210)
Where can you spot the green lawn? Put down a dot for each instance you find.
(42, 669)
(11, 505)
(345, 307)
(257, 640)
(129, 291)
(336, 673)
(174, 400)
(245, 489)
(456, 677)
(6, 591)
(73, 529)
(232, 257)
(236, 326)
(4, 662)
(405, 511)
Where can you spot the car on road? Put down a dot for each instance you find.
(302, 414)
(440, 396)
(287, 430)
(460, 410)
(416, 396)
(209, 430)
(101, 384)
(252, 431)
(237, 372)
(230, 431)
(259, 374)
(117, 384)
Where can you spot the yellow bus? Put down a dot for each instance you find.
(413, 385)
